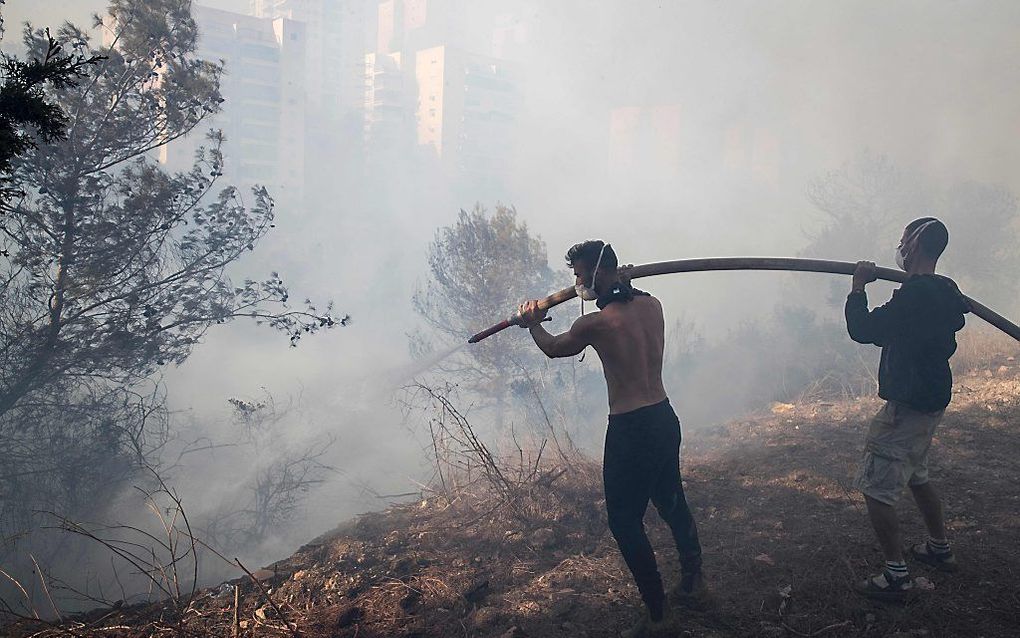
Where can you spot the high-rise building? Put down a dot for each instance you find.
(334, 78)
(466, 109)
(388, 126)
(263, 114)
(336, 32)
(433, 83)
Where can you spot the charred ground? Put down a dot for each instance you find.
(783, 532)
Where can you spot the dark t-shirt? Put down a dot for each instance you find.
(917, 332)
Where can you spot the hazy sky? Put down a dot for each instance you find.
(54, 12)
(760, 98)
(796, 88)
(765, 97)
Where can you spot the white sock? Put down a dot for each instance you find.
(894, 569)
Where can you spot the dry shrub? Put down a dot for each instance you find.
(983, 347)
(514, 476)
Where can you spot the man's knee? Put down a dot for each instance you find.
(879, 502)
(925, 494)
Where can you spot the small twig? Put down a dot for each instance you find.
(814, 633)
(28, 598)
(283, 617)
(402, 495)
(546, 480)
(819, 632)
(46, 589)
(187, 524)
(236, 629)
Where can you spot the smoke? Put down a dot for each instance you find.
(394, 379)
(672, 130)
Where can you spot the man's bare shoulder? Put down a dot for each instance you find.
(648, 308)
(648, 300)
(587, 323)
(640, 307)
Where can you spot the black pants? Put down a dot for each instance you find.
(642, 462)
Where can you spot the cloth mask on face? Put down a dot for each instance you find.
(584, 292)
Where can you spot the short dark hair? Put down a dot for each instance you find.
(933, 238)
(587, 253)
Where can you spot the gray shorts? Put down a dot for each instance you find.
(896, 451)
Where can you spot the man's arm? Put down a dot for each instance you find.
(568, 344)
(880, 324)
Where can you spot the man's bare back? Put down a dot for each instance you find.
(629, 339)
(628, 336)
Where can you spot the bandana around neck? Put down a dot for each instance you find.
(620, 292)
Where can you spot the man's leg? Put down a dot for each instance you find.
(673, 508)
(925, 496)
(887, 529)
(893, 582)
(928, 502)
(884, 473)
(934, 551)
(671, 503)
(626, 478)
(629, 531)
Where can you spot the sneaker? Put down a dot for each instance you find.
(942, 561)
(886, 587)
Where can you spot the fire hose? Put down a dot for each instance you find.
(748, 263)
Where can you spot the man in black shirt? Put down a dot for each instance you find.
(917, 332)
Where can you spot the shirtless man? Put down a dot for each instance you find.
(642, 451)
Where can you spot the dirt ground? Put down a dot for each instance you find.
(784, 537)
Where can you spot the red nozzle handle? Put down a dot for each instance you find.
(499, 327)
(515, 320)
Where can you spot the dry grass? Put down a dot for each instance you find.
(982, 347)
(783, 533)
